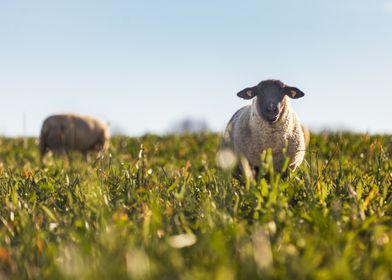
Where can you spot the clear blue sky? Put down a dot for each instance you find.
(142, 65)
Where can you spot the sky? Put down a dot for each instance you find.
(143, 65)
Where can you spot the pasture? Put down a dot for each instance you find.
(159, 208)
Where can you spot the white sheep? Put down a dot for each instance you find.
(268, 123)
(70, 132)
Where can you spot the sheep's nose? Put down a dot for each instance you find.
(271, 108)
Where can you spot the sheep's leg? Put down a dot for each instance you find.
(244, 171)
(42, 149)
(68, 154)
(42, 156)
(85, 156)
(256, 170)
(238, 174)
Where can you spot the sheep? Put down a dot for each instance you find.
(64, 133)
(268, 123)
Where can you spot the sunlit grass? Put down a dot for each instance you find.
(158, 208)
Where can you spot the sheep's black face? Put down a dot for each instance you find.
(271, 98)
(270, 101)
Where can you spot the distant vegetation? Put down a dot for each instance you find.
(189, 125)
(158, 208)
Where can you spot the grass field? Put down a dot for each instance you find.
(159, 208)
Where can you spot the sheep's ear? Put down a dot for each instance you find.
(248, 93)
(293, 92)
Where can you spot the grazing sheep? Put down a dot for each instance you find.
(268, 123)
(69, 132)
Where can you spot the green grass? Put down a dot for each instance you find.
(159, 208)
